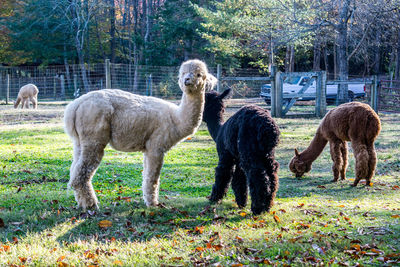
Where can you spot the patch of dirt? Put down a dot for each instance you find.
(44, 114)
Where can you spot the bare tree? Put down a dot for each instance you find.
(77, 16)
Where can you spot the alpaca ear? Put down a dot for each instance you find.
(225, 94)
(296, 152)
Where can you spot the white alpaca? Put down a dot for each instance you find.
(130, 123)
(27, 93)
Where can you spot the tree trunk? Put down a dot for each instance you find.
(325, 53)
(82, 66)
(377, 51)
(112, 31)
(397, 71)
(289, 58)
(317, 53)
(66, 65)
(135, 48)
(148, 14)
(343, 68)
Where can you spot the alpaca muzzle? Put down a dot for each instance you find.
(188, 82)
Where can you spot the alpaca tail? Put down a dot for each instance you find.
(70, 118)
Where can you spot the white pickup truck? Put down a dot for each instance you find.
(292, 85)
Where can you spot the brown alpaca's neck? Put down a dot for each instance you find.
(315, 148)
(189, 113)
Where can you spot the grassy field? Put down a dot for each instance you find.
(313, 222)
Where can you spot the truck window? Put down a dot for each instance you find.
(304, 81)
(292, 79)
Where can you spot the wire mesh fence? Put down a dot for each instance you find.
(69, 81)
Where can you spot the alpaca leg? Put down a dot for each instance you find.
(362, 159)
(239, 186)
(343, 149)
(260, 189)
(263, 182)
(34, 102)
(223, 176)
(371, 163)
(82, 170)
(152, 164)
(77, 154)
(23, 103)
(26, 103)
(271, 168)
(336, 155)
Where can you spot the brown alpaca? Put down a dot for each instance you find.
(355, 122)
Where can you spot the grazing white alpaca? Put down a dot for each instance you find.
(130, 123)
(27, 93)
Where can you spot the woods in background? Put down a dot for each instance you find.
(356, 37)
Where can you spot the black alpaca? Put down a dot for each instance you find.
(246, 146)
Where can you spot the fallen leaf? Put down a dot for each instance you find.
(117, 262)
(105, 224)
(395, 216)
(239, 239)
(199, 229)
(60, 258)
(276, 218)
(243, 214)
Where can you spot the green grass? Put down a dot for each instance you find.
(313, 221)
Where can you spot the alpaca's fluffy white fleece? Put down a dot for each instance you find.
(27, 93)
(130, 122)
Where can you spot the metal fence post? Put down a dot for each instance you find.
(54, 88)
(273, 86)
(8, 89)
(151, 84)
(219, 67)
(62, 81)
(108, 74)
(374, 93)
(278, 94)
(76, 85)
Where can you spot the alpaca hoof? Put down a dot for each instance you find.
(334, 181)
(258, 211)
(214, 199)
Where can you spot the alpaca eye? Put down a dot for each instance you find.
(198, 75)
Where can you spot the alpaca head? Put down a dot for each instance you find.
(210, 82)
(193, 76)
(298, 166)
(214, 106)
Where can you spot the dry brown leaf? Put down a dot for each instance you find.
(105, 224)
(117, 262)
(276, 218)
(199, 229)
(61, 258)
